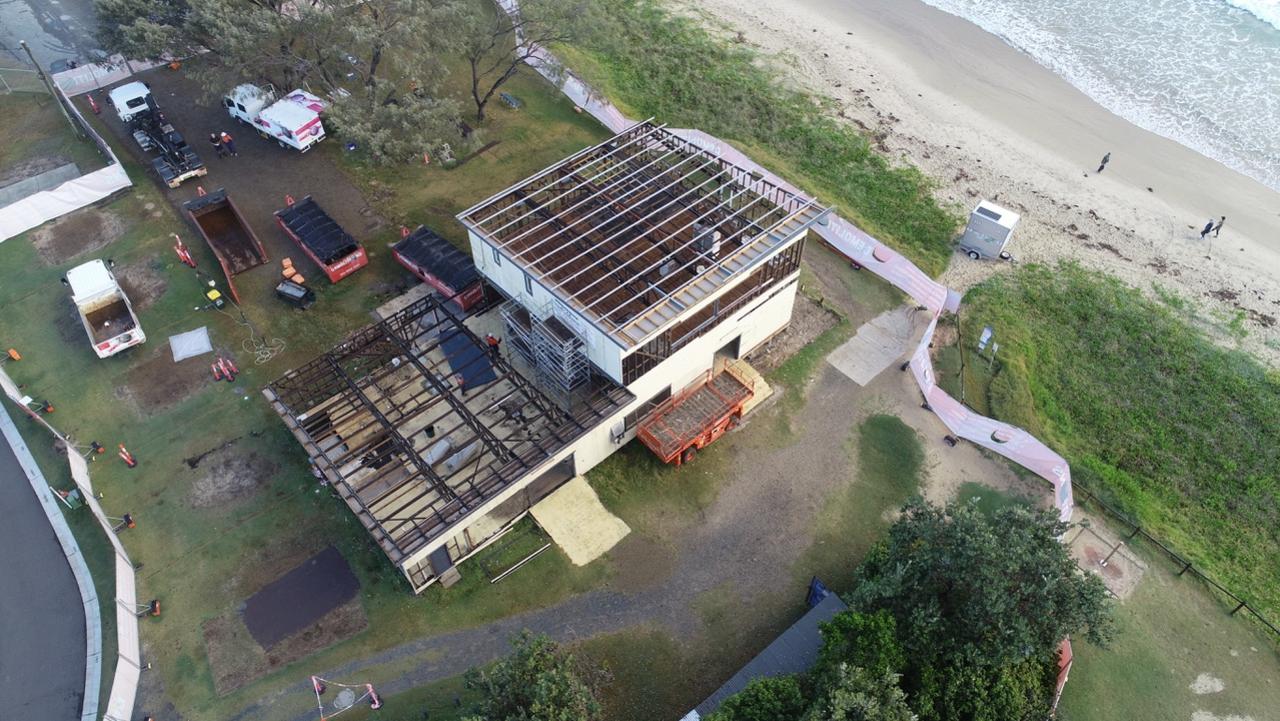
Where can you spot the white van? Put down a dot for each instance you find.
(292, 121)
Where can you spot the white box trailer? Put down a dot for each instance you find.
(292, 121)
(104, 309)
(989, 230)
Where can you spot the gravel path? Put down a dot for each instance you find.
(741, 548)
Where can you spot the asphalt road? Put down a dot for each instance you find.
(42, 634)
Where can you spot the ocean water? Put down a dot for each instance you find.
(1205, 73)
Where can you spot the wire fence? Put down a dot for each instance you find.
(129, 664)
(20, 80)
(1185, 566)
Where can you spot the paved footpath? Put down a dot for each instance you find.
(42, 626)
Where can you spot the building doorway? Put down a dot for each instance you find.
(730, 350)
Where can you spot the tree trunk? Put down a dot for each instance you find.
(475, 89)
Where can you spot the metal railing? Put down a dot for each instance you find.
(1185, 565)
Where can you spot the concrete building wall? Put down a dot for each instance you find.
(754, 324)
(603, 352)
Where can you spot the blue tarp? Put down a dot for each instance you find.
(467, 359)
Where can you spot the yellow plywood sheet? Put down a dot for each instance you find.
(761, 387)
(578, 522)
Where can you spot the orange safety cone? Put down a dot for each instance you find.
(127, 457)
(14, 354)
(184, 255)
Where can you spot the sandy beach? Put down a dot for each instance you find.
(986, 121)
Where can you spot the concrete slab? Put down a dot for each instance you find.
(1097, 543)
(578, 522)
(878, 344)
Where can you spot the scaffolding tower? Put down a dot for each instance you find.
(549, 348)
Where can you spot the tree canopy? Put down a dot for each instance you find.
(537, 682)
(992, 589)
(382, 63)
(955, 615)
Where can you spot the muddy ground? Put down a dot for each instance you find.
(808, 321)
(236, 660)
(259, 178)
(155, 383)
(76, 235)
(19, 172)
(143, 282)
(228, 475)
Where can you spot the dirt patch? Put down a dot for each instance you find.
(158, 383)
(77, 234)
(227, 475)
(19, 172)
(1093, 544)
(299, 598)
(1205, 683)
(70, 329)
(808, 321)
(143, 282)
(642, 563)
(236, 660)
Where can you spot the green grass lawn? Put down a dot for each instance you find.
(33, 128)
(890, 460)
(203, 561)
(989, 500)
(1178, 432)
(1169, 632)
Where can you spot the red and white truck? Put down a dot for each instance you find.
(104, 309)
(292, 121)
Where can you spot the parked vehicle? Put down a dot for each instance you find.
(988, 232)
(228, 235)
(685, 424)
(104, 309)
(436, 262)
(292, 121)
(130, 99)
(173, 159)
(321, 238)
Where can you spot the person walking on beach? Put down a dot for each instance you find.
(1105, 159)
(216, 142)
(1208, 228)
(229, 143)
(1218, 228)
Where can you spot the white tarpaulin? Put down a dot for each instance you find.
(190, 344)
(46, 205)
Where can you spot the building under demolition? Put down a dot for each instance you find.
(626, 271)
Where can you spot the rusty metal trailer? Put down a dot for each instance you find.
(228, 235)
(685, 424)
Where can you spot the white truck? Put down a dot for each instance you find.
(104, 309)
(292, 121)
(171, 157)
(129, 100)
